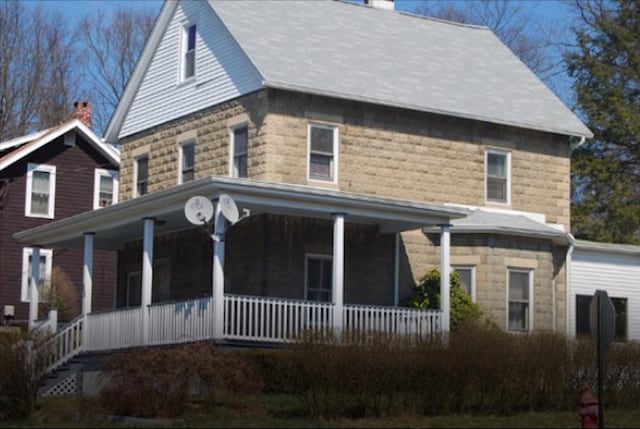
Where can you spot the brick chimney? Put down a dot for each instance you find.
(82, 111)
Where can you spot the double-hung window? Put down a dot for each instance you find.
(141, 175)
(520, 288)
(318, 278)
(40, 195)
(105, 188)
(467, 275)
(323, 153)
(187, 161)
(240, 143)
(189, 52)
(498, 186)
(46, 261)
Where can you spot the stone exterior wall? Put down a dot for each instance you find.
(382, 151)
(492, 255)
(211, 130)
(419, 156)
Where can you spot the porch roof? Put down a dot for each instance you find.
(117, 224)
(486, 222)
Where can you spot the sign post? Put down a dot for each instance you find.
(602, 323)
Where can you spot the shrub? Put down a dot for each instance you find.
(478, 370)
(158, 381)
(22, 367)
(463, 310)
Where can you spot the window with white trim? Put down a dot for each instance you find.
(188, 52)
(323, 153)
(239, 151)
(41, 191)
(46, 263)
(520, 288)
(141, 175)
(105, 188)
(467, 275)
(498, 176)
(187, 161)
(318, 278)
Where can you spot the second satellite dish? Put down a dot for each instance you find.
(229, 208)
(198, 210)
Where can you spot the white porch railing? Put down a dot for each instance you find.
(181, 321)
(114, 329)
(259, 318)
(65, 344)
(252, 318)
(391, 320)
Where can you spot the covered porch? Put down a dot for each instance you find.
(225, 315)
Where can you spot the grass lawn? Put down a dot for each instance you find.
(284, 411)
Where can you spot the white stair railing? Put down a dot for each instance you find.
(65, 344)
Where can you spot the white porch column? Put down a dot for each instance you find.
(338, 270)
(396, 270)
(34, 286)
(220, 227)
(87, 274)
(445, 269)
(87, 282)
(147, 276)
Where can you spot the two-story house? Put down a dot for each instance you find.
(46, 176)
(347, 149)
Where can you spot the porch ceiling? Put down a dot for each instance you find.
(122, 222)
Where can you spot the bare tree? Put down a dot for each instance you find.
(35, 69)
(532, 39)
(112, 46)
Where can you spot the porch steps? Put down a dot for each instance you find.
(66, 379)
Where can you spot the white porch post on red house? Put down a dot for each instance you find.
(147, 276)
(34, 286)
(445, 269)
(87, 283)
(338, 270)
(220, 227)
(87, 274)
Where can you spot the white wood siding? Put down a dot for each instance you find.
(616, 273)
(223, 72)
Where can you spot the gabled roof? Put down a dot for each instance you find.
(489, 222)
(356, 52)
(30, 143)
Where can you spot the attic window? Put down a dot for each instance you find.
(189, 52)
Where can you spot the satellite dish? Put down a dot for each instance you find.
(198, 210)
(228, 208)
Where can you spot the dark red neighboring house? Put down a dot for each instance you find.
(46, 176)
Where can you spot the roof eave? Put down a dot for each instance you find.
(584, 132)
(281, 198)
(117, 118)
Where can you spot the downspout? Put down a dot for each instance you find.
(568, 285)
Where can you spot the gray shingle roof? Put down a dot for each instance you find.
(487, 222)
(357, 52)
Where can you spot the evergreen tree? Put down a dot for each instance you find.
(606, 169)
